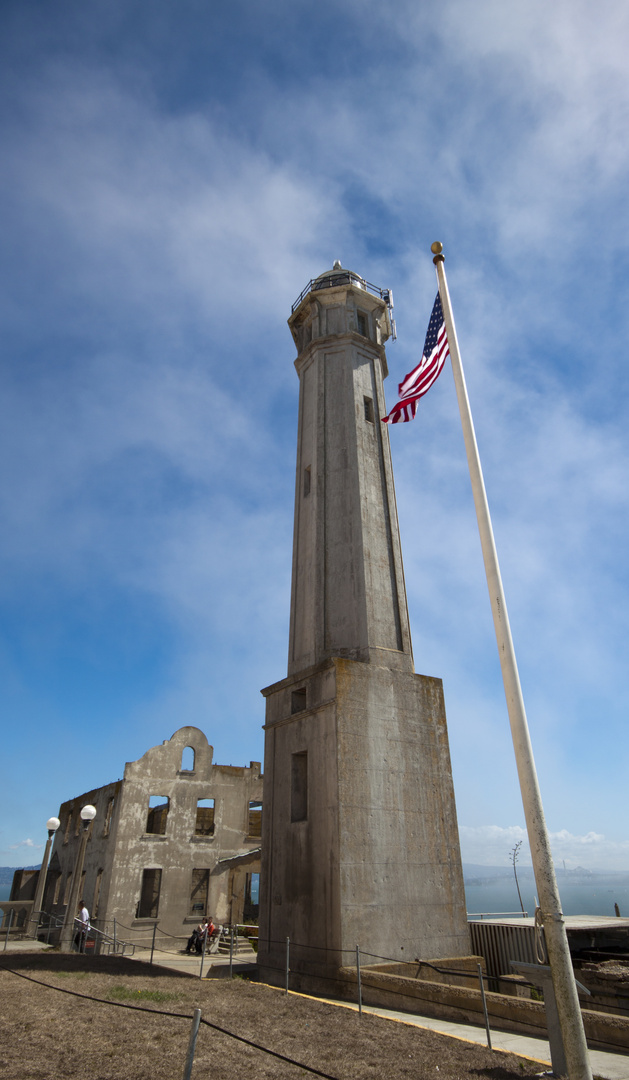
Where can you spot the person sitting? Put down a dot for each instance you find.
(214, 939)
(194, 937)
(206, 932)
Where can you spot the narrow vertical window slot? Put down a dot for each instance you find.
(299, 787)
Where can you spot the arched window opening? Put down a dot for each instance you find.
(187, 759)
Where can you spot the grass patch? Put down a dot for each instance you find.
(89, 1039)
(73, 974)
(124, 993)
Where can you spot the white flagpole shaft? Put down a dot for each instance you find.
(569, 1011)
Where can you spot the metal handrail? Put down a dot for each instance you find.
(55, 922)
(497, 915)
(342, 277)
(107, 939)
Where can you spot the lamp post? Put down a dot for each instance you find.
(52, 825)
(88, 813)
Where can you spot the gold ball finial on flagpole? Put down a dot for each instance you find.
(437, 249)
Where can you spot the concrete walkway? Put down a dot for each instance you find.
(216, 965)
(23, 946)
(608, 1066)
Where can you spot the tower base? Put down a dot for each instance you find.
(360, 840)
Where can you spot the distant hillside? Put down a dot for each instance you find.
(7, 872)
(477, 874)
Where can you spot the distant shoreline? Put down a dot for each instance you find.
(492, 889)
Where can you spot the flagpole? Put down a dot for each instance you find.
(568, 1008)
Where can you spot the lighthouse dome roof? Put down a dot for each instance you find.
(338, 275)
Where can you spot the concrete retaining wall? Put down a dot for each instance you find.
(463, 1004)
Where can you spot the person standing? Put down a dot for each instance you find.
(83, 921)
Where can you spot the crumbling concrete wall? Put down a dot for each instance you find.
(99, 853)
(180, 849)
(129, 840)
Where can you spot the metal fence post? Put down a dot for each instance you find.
(8, 929)
(114, 937)
(153, 943)
(482, 994)
(231, 952)
(287, 962)
(360, 991)
(187, 1069)
(203, 954)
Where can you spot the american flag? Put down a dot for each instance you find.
(421, 378)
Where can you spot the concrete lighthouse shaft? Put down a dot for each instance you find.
(348, 595)
(360, 840)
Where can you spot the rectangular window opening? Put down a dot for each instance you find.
(55, 895)
(307, 479)
(252, 897)
(157, 815)
(148, 904)
(298, 700)
(369, 413)
(198, 892)
(299, 787)
(362, 323)
(205, 818)
(96, 900)
(255, 818)
(108, 816)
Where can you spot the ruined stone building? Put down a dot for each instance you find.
(176, 838)
(360, 840)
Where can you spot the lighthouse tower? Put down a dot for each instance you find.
(360, 840)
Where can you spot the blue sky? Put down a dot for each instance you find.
(172, 175)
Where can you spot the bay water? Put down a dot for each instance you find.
(596, 897)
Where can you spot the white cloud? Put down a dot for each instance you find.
(491, 845)
(152, 213)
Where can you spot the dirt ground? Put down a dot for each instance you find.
(50, 1035)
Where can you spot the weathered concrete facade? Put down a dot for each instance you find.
(177, 838)
(360, 839)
